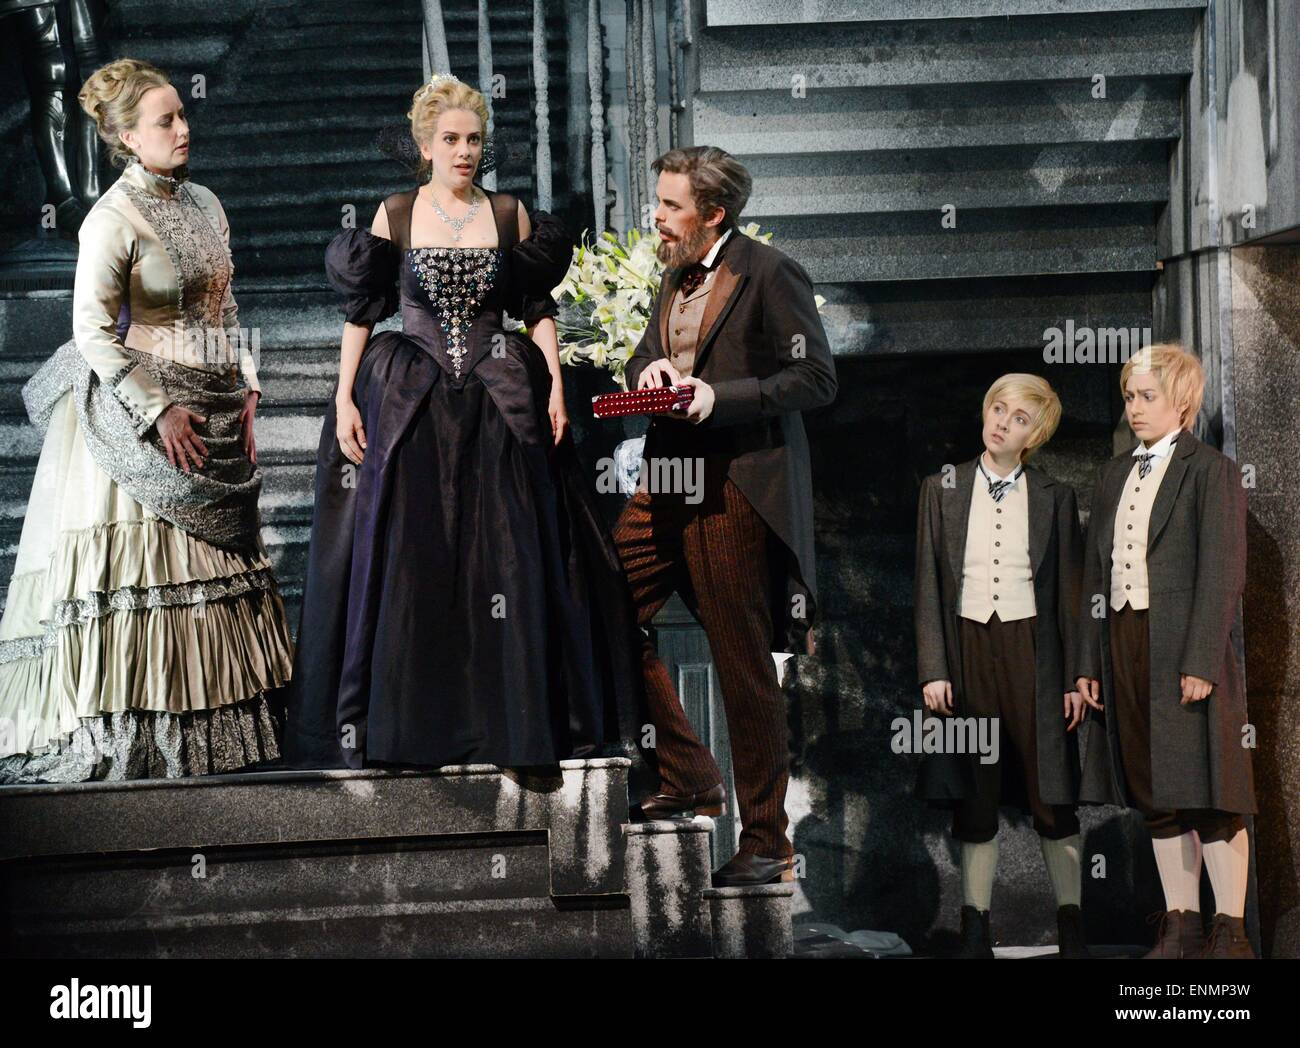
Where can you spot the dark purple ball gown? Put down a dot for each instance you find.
(464, 602)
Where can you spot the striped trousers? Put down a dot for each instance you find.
(715, 554)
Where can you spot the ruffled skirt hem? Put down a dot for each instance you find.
(145, 744)
(175, 659)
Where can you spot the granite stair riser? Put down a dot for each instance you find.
(1012, 178)
(462, 862)
(512, 56)
(780, 12)
(914, 245)
(1061, 47)
(523, 930)
(753, 123)
(751, 923)
(668, 870)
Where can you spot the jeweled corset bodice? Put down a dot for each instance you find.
(458, 282)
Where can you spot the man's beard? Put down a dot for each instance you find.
(691, 248)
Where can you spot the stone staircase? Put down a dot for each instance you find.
(463, 862)
(861, 123)
(295, 94)
(285, 133)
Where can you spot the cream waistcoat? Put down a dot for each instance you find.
(996, 574)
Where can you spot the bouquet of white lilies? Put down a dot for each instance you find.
(607, 295)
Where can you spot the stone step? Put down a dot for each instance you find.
(144, 18)
(780, 12)
(512, 54)
(239, 119)
(668, 871)
(993, 243)
(288, 14)
(943, 118)
(1005, 177)
(978, 315)
(751, 922)
(466, 861)
(960, 51)
(312, 23)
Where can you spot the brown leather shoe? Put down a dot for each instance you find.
(743, 870)
(1228, 940)
(1181, 935)
(710, 802)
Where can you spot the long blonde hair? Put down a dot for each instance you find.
(111, 96)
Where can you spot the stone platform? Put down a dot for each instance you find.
(468, 861)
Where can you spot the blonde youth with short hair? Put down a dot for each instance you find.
(1039, 395)
(1179, 373)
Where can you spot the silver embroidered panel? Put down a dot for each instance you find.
(147, 744)
(196, 250)
(458, 281)
(217, 504)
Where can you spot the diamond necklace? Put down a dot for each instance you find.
(458, 224)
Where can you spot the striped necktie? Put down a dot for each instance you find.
(998, 488)
(1144, 464)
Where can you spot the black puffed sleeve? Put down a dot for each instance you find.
(538, 264)
(362, 268)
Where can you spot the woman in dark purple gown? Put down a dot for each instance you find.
(463, 602)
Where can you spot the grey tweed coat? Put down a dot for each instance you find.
(1196, 568)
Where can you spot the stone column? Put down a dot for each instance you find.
(1266, 340)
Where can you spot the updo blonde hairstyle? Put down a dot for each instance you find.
(112, 97)
(431, 101)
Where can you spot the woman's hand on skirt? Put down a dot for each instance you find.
(182, 444)
(559, 416)
(349, 431)
(246, 424)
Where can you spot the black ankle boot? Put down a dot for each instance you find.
(975, 939)
(1069, 933)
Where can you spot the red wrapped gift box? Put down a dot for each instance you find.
(657, 400)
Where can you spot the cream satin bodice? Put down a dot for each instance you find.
(164, 248)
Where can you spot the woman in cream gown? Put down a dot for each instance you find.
(143, 627)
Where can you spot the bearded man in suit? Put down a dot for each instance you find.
(737, 321)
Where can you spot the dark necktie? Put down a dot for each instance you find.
(692, 279)
(1144, 465)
